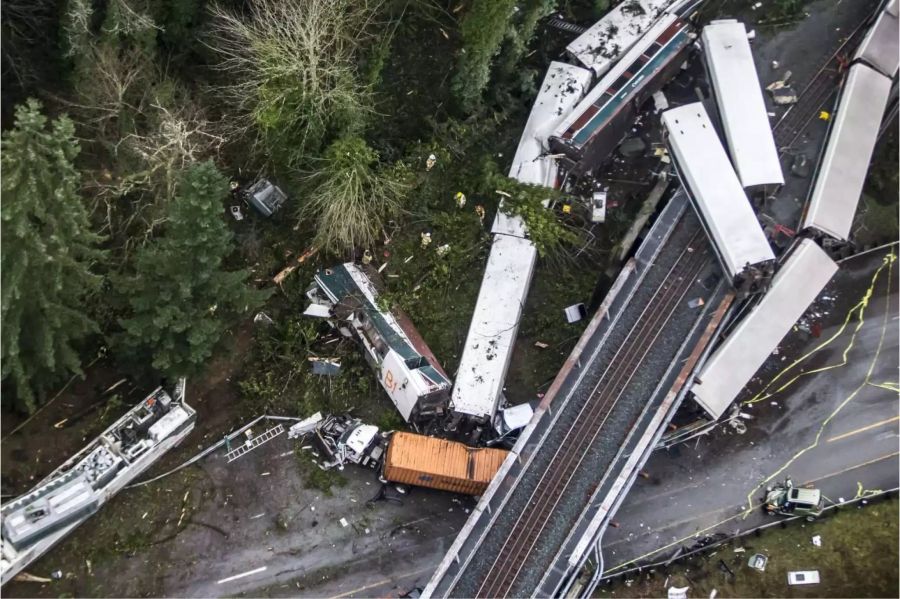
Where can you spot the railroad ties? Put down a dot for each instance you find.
(554, 482)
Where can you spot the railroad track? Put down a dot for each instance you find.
(571, 452)
(821, 86)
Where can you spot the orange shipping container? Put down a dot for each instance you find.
(441, 464)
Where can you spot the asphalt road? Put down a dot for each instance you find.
(836, 428)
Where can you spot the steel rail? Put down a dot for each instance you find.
(664, 301)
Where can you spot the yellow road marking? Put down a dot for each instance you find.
(864, 429)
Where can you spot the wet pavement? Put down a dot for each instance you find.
(836, 427)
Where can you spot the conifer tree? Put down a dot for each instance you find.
(48, 253)
(181, 298)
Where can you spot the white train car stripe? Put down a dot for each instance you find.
(739, 97)
(849, 149)
(804, 275)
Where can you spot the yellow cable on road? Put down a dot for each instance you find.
(859, 309)
(889, 259)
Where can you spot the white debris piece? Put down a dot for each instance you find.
(344, 522)
(678, 592)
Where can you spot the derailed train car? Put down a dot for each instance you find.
(855, 127)
(600, 121)
(408, 371)
(718, 198)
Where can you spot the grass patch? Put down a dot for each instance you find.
(858, 558)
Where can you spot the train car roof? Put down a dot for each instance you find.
(881, 46)
(348, 282)
(579, 124)
(609, 38)
(495, 321)
(714, 187)
(563, 86)
(741, 105)
(806, 272)
(851, 141)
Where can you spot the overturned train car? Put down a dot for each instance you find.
(408, 371)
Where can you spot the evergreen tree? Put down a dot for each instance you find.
(181, 298)
(48, 250)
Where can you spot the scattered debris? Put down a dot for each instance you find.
(430, 162)
(266, 197)
(344, 522)
(325, 366)
(696, 302)
(263, 318)
(575, 312)
(678, 592)
(782, 93)
(751, 35)
(236, 213)
(803, 577)
(632, 147)
(824, 115)
(739, 550)
(775, 64)
(541, 345)
(758, 561)
(56, 575)
(305, 426)
(660, 102)
(598, 207)
(442, 250)
(800, 166)
(26, 577)
(425, 239)
(345, 439)
(817, 540)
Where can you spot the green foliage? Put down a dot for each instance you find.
(483, 29)
(548, 234)
(181, 298)
(522, 31)
(47, 258)
(291, 72)
(353, 195)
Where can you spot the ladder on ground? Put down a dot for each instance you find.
(254, 443)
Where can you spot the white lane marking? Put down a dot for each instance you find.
(235, 577)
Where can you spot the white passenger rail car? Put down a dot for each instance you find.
(880, 49)
(718, 198)
(738, 95)
(799, 281)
